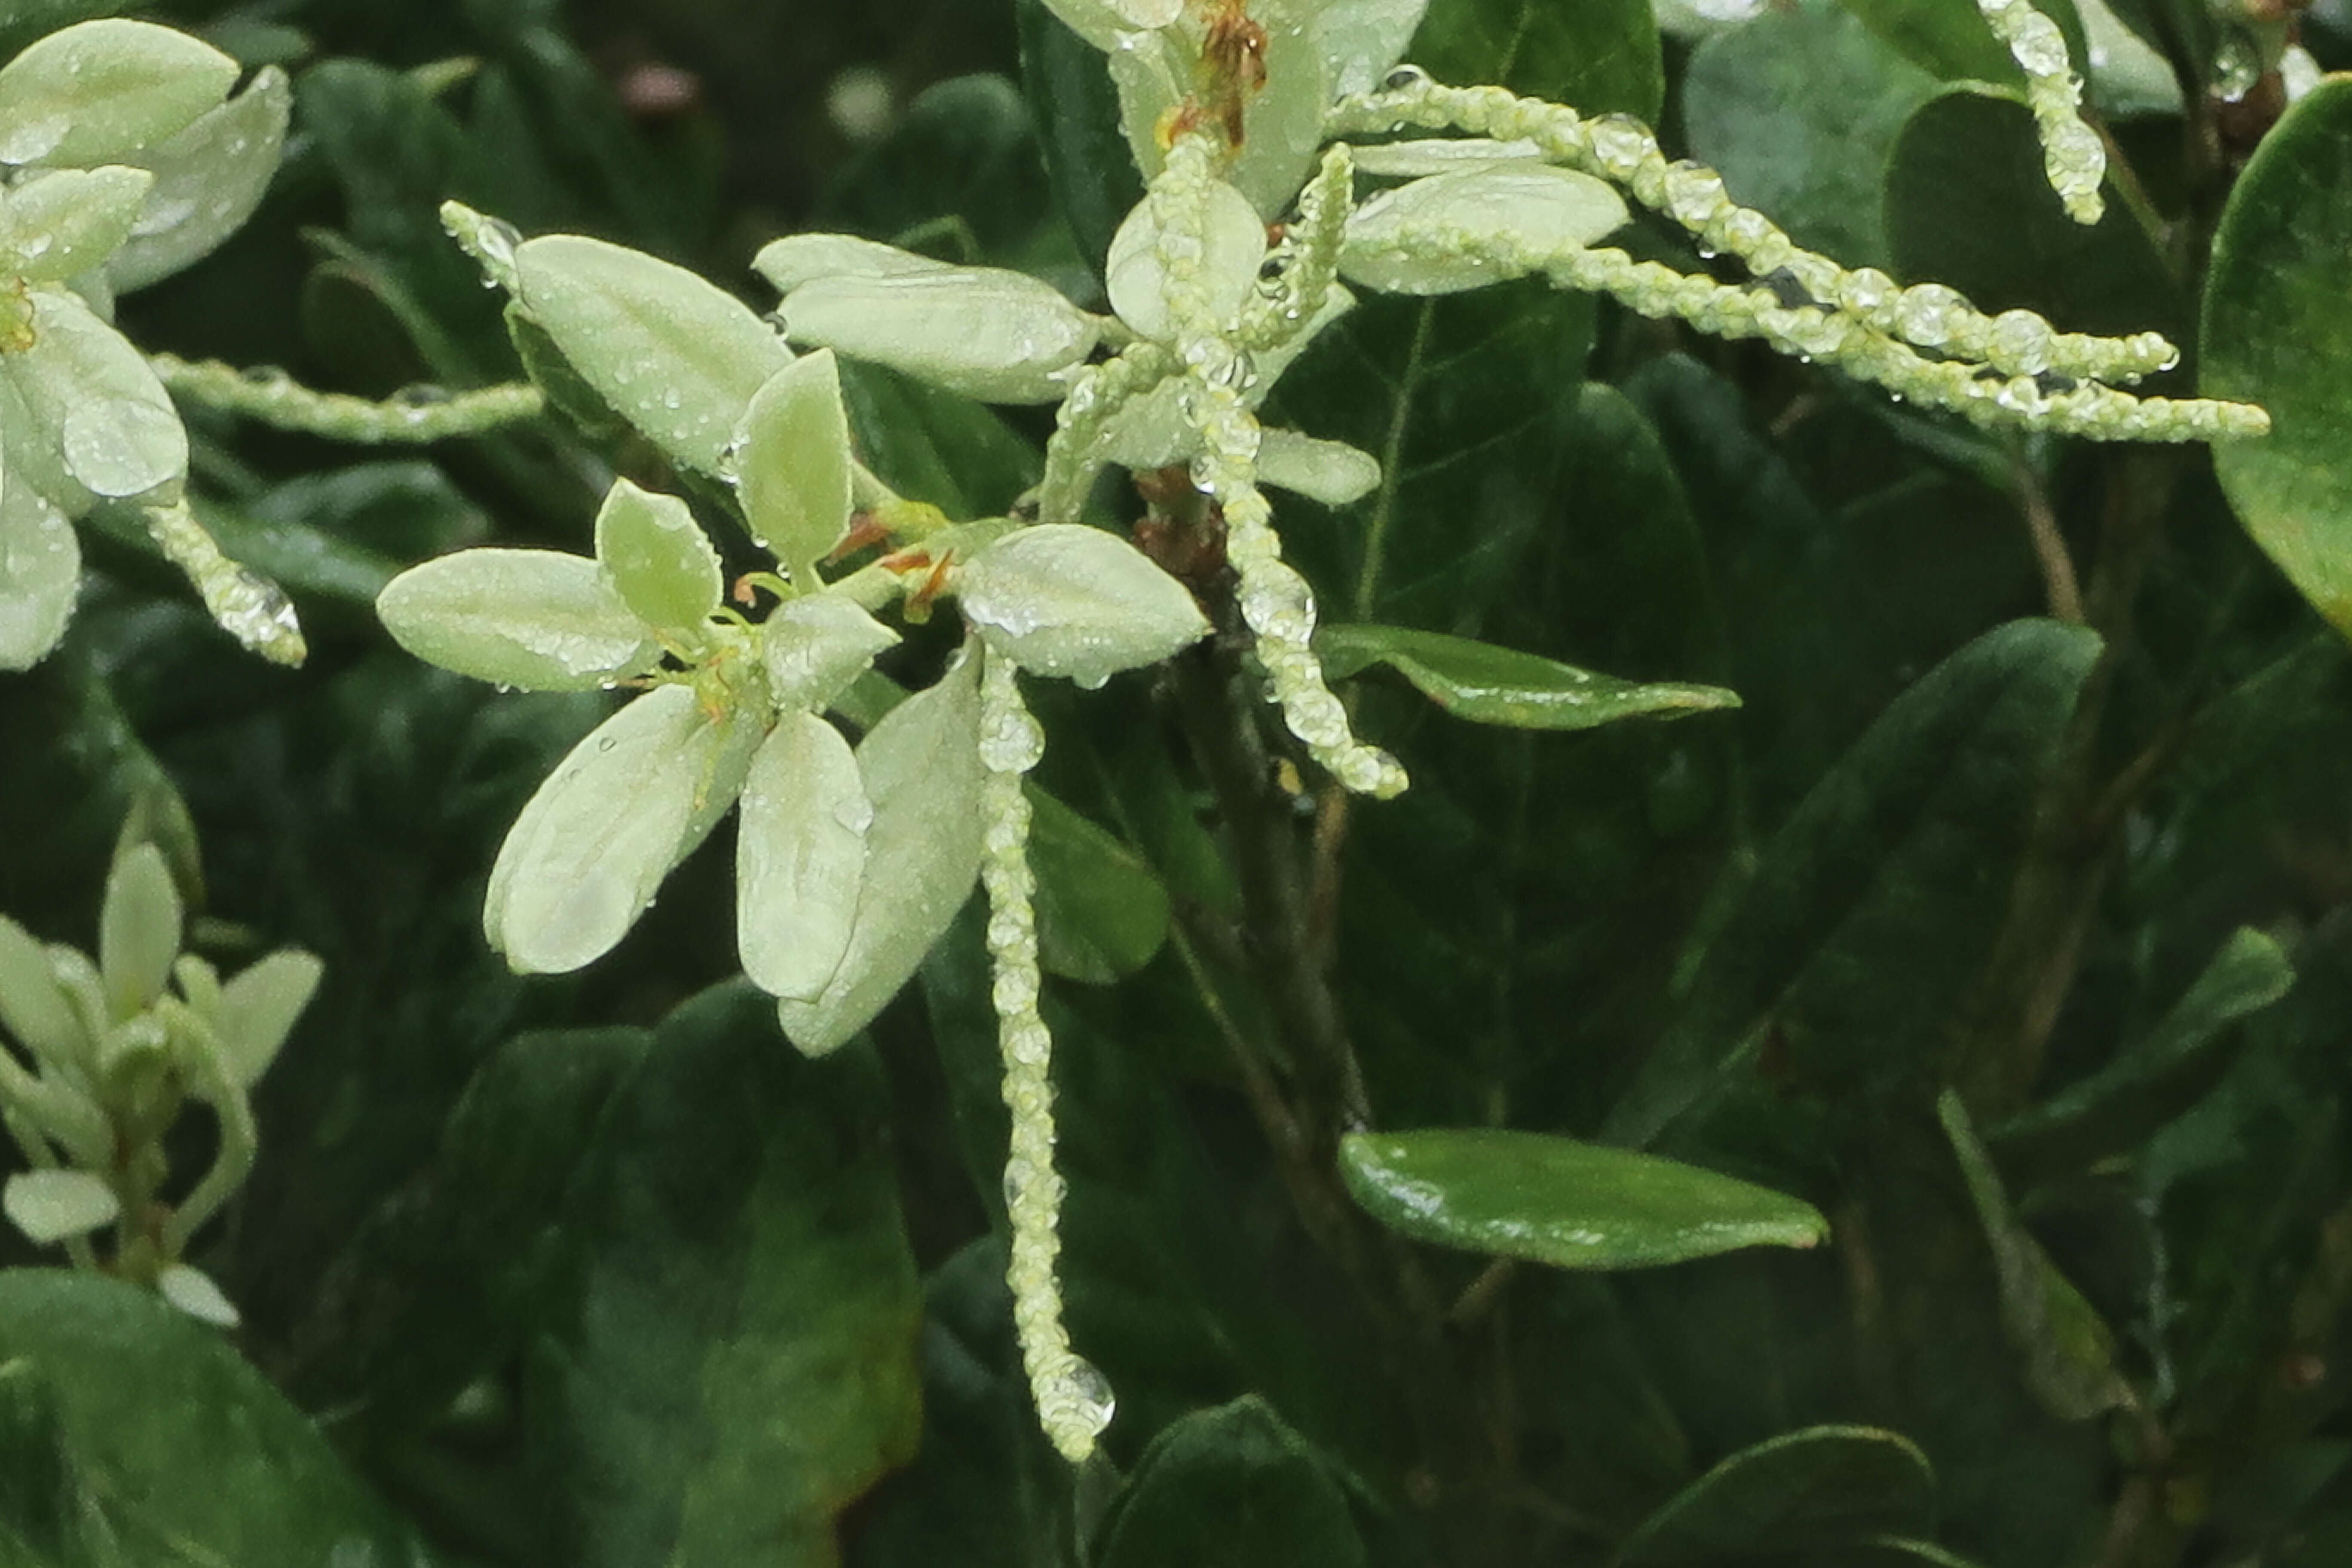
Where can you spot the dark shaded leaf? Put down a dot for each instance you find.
(1233, 1486)
(1816, 1488)
(1489, 685)
(1101, 913)
(1557, 1201)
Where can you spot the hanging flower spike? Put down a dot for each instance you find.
(2072, 156)
(1073, 1400)
(1862, 321)
(1180, 209)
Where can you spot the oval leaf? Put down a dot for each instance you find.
(1557, 1201)
(537, 619)
(590, 849)
(50, 1207)
(99, 90)
(208, 180)
(138, 930)
(1067, 600)
(1491, 685)
(1137, 275)
(800, 858)
(40, 574)
(2277, 332)
(814, 647)
(799, 259)
(674, 356)
(68, 220)
(923, 771)
(258, 1009)
(793, 464)
(1530, 205)
(97, 422)
(33, 1006)
(1822, 1486)
(659, 560)
(998, 336)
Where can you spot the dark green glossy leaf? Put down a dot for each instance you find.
(1101, 913)
(2276, 332)
(1598, 56)
(730, 1361)
(1557, 1201)
(1233, 1486)
(185, 1443)
(1798, 109)
(933, 446)
(1076, 109)
(2157, 1077)
(1951, 39)
(1817, 1489)
(441, 1283)
(46, 1518)
(1490, 685)
(1967, 205)
(2068, 1350)
(1875, 903)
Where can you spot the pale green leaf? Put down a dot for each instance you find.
(67, 221)
(209, 178)
(96, 91)
(660, 561)
(800, 858)
(192, 1291)
(590, 849)
(793, 464)
(139, 929)
(40, 574)
(1137, 275)
(815, 647)
(34, 1008)
(1535, 205)
(923, 771)
(1282, 124)
(799, 259)
(998, 336)
(1066, 600)
(1361, 39)
(1331, 472)
(538, 620)
(674, 355)
(51, 1206)
(258, 1009)
(96, 420)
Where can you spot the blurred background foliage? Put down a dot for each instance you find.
(595, 1272)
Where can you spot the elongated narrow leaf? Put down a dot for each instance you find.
(259, 1007)
(590, 851)
(730, 1362)
(659, 560)
(672, 354)
(1810, 1491)
(33, 1006)
(2277, 332)
(793, 464)
(923, 771)
(537, 619)
(1834, 939)
(2067, 1350)
(181, 1441)
(1237, 1487)
(1491, 685)
(801, 857)
(1557, 1201)
(98, 91)
(208, 180)
(2155, 1078)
